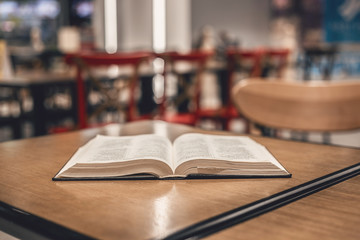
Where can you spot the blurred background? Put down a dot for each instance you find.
(315, 39)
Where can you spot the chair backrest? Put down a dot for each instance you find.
(310, 106)
(198, 60)
(194, 56)
(237, 56)
(105, 59)
(88, 60)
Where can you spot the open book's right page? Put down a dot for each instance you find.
(196, 153)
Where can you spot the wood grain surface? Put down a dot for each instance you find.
(148, 209)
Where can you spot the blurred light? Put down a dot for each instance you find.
(159, 25)
(7, 26)
(158, 87)
(110, 14)
(26, 10)
(113, 71)
(158, 79)
(7, 8)
(159, 65)
(69, 39)
(84, 9)
(48, 8)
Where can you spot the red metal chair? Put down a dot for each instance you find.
(198, 60)
(247, 61)
(262, 60)
(86, 62)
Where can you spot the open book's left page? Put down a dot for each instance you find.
(109, 156)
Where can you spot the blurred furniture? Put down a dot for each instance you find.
(42, 99)
(321, 58)
(274, 62)
(246, 63)
(261, 62)
(108, 94)
(34, 207)
(12, 114)
(187, 100)
(313, 106)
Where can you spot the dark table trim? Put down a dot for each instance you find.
(262, 206)
(24, 225)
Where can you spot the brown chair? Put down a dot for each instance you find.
(315, 106)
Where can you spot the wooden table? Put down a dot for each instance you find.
(151, 209)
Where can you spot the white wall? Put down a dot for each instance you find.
(98, 24)
(135, 24)
(178, 25)
(247, 20)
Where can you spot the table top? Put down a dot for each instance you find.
(148, 209)
(333, 213)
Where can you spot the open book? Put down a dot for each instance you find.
(189, 155)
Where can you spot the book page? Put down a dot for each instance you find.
(108, 149)
(218, 147)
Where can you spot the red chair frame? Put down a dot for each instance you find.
(98, 59)
(195, 57)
